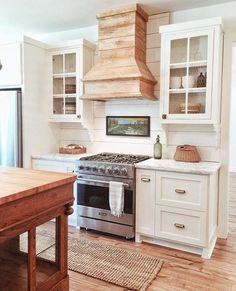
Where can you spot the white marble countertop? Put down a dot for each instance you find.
(204, 168)
(60, 157)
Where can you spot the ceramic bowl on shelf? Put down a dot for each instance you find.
(192, 107)
(175, 82)
(188, 80)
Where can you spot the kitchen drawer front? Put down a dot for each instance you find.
(182, 190)
(180, 225)
(53, 166)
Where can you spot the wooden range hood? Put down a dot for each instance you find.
(121, 71)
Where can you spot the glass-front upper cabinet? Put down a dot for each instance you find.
(69, 64)
(189, 73)
(65, 85)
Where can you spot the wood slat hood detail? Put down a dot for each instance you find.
(121, 71)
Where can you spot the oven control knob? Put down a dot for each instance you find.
(123, 171)
(116, 171)
(109, 170)
(102, 170)
(95, 169)
(87, 168)
(81, 167)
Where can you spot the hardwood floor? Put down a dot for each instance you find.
(181, 271)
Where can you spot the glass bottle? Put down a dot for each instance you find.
(157, 149)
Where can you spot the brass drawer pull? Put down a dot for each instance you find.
(145, 179)
(179, 225)
(179, 191)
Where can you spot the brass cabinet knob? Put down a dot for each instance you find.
(179, 225)
(180, 191)
(145, 180)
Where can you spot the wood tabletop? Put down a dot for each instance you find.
(17, 183)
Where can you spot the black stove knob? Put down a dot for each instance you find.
(95, 169)
(116, 171)
(123, 171)
(109, 170)
(81, 167)
(102, 170)
(87, 168)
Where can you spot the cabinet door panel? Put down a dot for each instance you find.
(187, 75)
(10, 57)
(145, 202)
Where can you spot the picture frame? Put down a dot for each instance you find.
(138, 126)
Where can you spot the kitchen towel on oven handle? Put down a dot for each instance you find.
(116, 198)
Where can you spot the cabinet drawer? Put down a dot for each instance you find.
(182, 190)
(53, 166)
(181, 225)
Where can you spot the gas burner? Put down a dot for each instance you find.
(109, 165)
(116, 158)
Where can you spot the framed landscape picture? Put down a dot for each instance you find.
(128, 125)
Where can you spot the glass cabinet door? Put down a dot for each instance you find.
(64, 84)
(189, 87)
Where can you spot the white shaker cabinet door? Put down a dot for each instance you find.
(145, 202)
(10, 58)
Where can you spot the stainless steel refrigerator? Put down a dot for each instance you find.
(10, 128)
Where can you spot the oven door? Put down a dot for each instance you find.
(94, 193)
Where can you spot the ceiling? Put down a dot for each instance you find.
(45, 16)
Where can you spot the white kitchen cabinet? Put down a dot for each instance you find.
(10, 64)
(177, 210)
(145, 202)
(191, 59)
(68, 64)
(61, 167)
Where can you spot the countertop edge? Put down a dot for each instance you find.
(64, 180)
(213, 168)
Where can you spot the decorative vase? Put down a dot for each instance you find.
(201, 80)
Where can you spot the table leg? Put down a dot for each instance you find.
(32, 259)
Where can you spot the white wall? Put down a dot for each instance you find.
(232, 161)
(90, 33)
(226, 10)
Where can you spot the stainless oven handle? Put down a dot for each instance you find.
(98, 181)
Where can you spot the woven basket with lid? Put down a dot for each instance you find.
(187, 153)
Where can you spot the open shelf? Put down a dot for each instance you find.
(62, 96)
(66, 75)
(190, 90)
(189, 64)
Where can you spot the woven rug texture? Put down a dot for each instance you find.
(129, 269)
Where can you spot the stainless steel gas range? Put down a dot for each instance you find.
(93, 176)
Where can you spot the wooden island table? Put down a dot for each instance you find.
(28, 199)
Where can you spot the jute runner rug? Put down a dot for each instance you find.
(129, 269)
